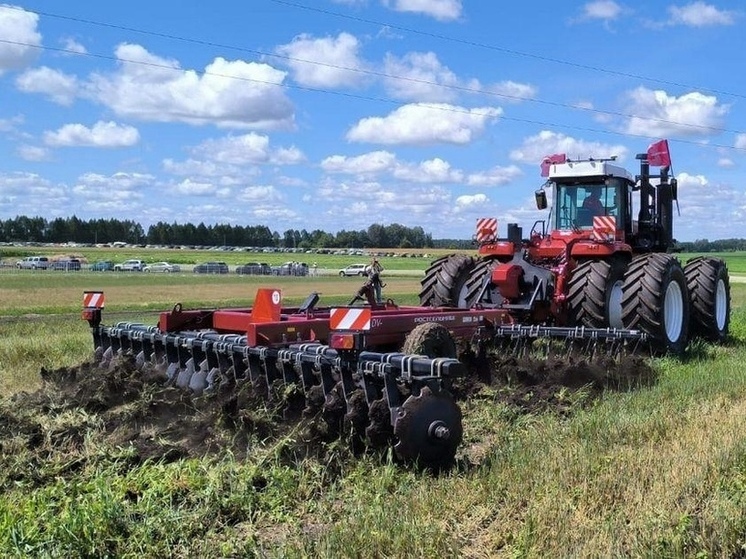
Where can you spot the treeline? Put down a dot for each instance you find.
(703, 245)
(107, 231)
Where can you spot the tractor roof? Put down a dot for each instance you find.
(588, 168)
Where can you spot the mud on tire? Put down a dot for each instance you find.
(430, 339)
(655, 300)
(708, 285)
(444, 281)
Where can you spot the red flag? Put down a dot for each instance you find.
(658, 154)
(549, 160)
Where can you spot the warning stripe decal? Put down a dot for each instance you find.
(94, 299)
(604, 227)
(486, 228)
(350, 319)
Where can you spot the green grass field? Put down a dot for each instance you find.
(649, 471)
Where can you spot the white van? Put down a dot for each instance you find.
(33, 263)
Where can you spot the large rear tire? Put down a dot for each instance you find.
(445, 280)
(595, 293)
(655, 300)
(708, 284)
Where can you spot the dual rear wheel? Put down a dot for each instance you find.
(655, 294)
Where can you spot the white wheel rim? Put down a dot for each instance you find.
(615, 305)
(673, 311)
(721, 305)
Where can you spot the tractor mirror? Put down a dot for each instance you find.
(674, 189)
(541, 199)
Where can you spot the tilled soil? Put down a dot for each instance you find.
(121, 407)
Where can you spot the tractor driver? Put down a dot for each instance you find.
(593, 201)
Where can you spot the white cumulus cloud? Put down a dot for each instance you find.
(496, 176)
(432, 171)
(425, 123)
(251, 148)
(59, 87)
(324, 62)
(22, 39)
(662, 115)
(535, 148)
(368, 163)
(700, 14)
(419, 76)
(101, 134)
(442, 10)
(234, 94)
(602, 9)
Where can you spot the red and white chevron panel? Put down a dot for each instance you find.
(604, 227)
(93, 299)
(486, 228)
(357, 318)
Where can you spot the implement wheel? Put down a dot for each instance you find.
(709, 293)
(445, 280)
(430, 339)
(595, 293)
(655, 300)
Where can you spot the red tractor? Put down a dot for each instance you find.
(605, 262)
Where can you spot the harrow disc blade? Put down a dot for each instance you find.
(428, 429)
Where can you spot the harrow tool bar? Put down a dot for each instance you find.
(573, 333)
(561, 341)
(389, 397)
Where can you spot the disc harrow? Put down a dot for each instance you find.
(388, 398)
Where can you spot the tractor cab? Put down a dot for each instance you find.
(586, 189)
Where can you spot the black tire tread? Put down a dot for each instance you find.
(645, 284)
(702, 276)
(444, 279)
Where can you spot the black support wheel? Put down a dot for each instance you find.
(655, 300)
(445, 280)
(430, 339)
(708, 284)
(595, 293)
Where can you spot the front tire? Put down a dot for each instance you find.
(655, 300)
(708, 286)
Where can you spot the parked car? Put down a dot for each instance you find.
(291, 269)
(354, 270)
(67, 265)
(33, 263)
(130, 266)
(211, 268)
(162, 267)
(254, 268)
(101, 266)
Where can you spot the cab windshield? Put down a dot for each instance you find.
(578, 204)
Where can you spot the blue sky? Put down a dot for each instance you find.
(335, 114)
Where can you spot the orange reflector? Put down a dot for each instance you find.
(342, 341)
(88, 314)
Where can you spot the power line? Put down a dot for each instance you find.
(436, 107)
(503, 49)
(463, 89)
